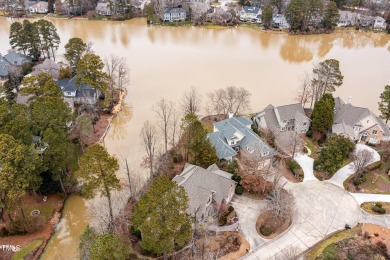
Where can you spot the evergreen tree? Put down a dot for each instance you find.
(90, 70)
(30, 38)
(161, 217)
(74, 50)
(331, 16)
(335, 150)
(16, 37)
(97, 173)
(266, 16)
(50, 40)
(384, 104)
(322, 115)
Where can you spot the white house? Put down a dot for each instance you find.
(347, 18)
(174, 14)
(250, 14)
(379, 23)
(37, 7)
(279, 21)
(103, 8)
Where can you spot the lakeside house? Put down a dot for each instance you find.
(250, 14)
(358, 124)
(37, 7)
(234, 135)
(11, 59)
(205, 187)
(290, 117)
(347, 18)
(103, 8)
(80, 94)
(279, 21)
(174, 14)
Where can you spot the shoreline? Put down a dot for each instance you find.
(210, 25)
(57, 214)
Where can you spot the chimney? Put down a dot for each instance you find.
(349, 99)
(231, 114)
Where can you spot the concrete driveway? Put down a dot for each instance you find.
(321, 208)
(306, 164)
(248, 210)
(341, 175)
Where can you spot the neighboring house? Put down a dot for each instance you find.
(81, 94)
(39, 145)
(250, 14)
(174, 14)
(379, 23)
(11, 59)
(39, 7)
(86, 95)
(48, 66)
(347, 18)
(103, 8)
(283, 118)
(279, 21)
(358, 123)
(205, 187)
(199, 8)
(233, 135)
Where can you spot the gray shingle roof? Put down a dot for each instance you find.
(286, 112)
(251, 9)
(227, 128)
(200, 183)
(16, 58)
(176, 10)
(3, 67)
(342, 128)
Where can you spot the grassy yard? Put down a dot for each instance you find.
(46, 208)
(312, 146)
(329, 244)
(377, 182)
(368, 207)
(20, 255)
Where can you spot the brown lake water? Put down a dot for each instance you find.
(166, 61)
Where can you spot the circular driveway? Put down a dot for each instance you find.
(320, 209)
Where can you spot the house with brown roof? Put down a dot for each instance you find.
(283, 118)
(358, 124)
(205, 187)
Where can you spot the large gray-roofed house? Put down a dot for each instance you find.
(205, 187)
(235, 134)
(288, 117)
(365, 125)
(11, 59)
(81, 93)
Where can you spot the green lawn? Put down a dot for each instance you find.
(313, 148)
(329, 245)
(368, 207)
(376, 182)
(23, 252)
(46, 208)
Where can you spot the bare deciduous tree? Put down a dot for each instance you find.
(361, 159)
(304, 92)
(175, 129)
(133, 177)
(281, 201)
(164, 112)
(149, 139)
(288, 142)
(191, 101)
(230, 99)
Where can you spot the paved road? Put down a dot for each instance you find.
(321, 209)
(341, 175)
(306, 164)
(365, 197)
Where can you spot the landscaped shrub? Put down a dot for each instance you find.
(357, 182)
(378, 204)
(309, 133)
(230, 209)
(266, 230)
(374, 166)
(4, 232)
(239, 190)
(236, 178)
(177, 157)
(379, 209)
(26, 225)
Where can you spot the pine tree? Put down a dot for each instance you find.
(322, 116)
(384, 104)
(161, 217)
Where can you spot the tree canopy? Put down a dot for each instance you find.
(74, 50)
(322, 115)
(384, 104)
(335, 150)
(97, 174)
(161, 217)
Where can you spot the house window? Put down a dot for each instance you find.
(284, 121)
(374, 132)
(356, 129)
(265, 153)
(68, 93)
(373, 140)
(283, 128)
